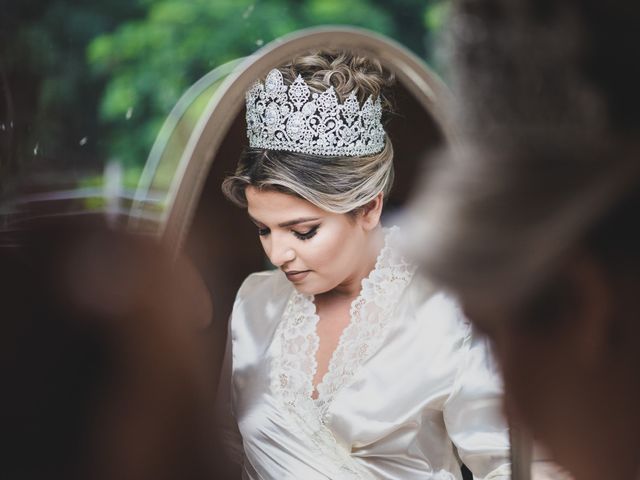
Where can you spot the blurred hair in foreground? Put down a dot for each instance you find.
(533, 219)
(104, 375)
(548, 113)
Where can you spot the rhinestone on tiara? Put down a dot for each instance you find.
(296, 120)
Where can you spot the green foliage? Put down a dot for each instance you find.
(435, 17)
(150, 62)
(103, 76)
(50, 116)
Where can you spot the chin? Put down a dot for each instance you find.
(303, 290)
(306, 289)
(312, 288)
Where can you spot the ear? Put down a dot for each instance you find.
(369, 214)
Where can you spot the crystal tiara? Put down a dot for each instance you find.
(296, 120)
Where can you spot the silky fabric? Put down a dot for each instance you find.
(424, 400)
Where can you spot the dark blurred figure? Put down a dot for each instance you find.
(104, 375)
(534, 221)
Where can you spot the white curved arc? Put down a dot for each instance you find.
(229, 99)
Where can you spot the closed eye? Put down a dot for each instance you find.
(308, 234)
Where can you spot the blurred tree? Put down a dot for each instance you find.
(48, 106)
(85, 82)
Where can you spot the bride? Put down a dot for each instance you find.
(343, 362)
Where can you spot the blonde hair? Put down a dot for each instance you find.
(335, 184)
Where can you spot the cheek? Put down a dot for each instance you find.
(265, 245)
(329, 252)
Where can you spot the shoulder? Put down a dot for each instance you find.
(437, 313)
(262, 295)
(267, 282)
(257, 312)
(423, 298)
(428, 298)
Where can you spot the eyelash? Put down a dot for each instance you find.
(307, 235)
(300, 236)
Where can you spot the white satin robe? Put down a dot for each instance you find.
(413, 391)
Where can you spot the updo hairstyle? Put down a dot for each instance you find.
(333, 183)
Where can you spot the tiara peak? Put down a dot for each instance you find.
(294, 119)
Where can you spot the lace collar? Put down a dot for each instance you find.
(295, 366)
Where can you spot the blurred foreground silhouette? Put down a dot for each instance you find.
(532, 220)
(105, 373)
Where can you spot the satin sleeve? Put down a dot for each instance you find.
(473, 411)
(226, 423)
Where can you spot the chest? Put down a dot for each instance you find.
(320, 346)
(333, 319)
(409, 372)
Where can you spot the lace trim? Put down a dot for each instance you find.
(370, 316)
(297, 363)
(293, 371)
(295, 392)
(307, 422)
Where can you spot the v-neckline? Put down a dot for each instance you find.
(296, 367)
(315, 389)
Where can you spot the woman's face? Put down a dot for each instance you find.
(316, 249)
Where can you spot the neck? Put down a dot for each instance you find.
(351, 286)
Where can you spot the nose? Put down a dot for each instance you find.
(280, 252)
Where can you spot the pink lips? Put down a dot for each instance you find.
(295, 276)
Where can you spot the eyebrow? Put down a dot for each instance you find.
(290, 223)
